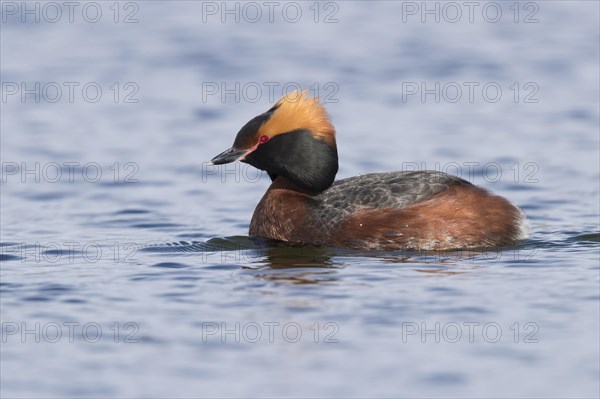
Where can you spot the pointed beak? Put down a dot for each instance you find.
(228, 156)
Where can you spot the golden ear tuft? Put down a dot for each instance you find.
(298, 110)
(297, 96)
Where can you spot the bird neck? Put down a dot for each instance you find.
(307, 162)
(283, 183)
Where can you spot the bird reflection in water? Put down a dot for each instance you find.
(296, 264)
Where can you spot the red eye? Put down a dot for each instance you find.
(263, 139)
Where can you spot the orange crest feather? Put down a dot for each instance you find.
(297, 110)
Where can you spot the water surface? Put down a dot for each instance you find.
(126, 267)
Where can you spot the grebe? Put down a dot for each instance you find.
(294, 142)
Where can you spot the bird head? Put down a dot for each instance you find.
(294, 139)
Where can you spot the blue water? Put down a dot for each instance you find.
(126, 270)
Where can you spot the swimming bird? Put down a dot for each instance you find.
(295, 143)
